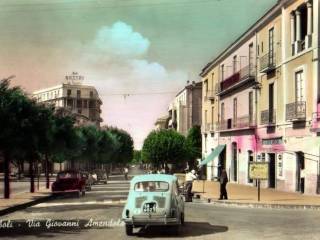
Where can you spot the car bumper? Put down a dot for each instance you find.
(151, 221)
(66, 191)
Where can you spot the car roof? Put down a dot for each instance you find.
(154, 177)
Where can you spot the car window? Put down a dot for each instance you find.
(66, 175)
(151, 186)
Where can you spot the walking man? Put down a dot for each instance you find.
(126, 170)
(223, 185)
(190, 177)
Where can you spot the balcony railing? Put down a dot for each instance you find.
(267, 62)
(238, 123)
(296, 111)
(211, 95)
(268, 117)
(208, 127)
(245, 73)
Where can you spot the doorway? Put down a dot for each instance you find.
(250, 160)
(300, 166)
(234, 161)
(272, 170)
(222, 161)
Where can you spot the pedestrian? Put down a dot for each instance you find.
(126, 170)
(223, 184)
(190, 177)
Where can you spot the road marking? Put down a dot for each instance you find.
(105, 202)
(108, 191)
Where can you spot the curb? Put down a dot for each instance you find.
(257, 205)
(24, 205)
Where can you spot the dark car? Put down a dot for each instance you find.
(69, 182)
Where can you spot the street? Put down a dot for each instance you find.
(203, 221)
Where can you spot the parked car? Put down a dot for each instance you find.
(153, 200)
(69, 182)
(101, 175)
(89, 180)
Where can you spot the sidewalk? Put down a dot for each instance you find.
(242, 195)
(23, 200)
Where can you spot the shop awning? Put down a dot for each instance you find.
(213, 154)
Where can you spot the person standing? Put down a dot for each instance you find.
(126, 170)
(190, 177)
(223, 185)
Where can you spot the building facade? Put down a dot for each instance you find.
(162, 123)
(261, 100)
(185, 110)
(73, 98)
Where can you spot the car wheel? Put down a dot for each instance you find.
(182, 219)
(129, 230)
(79, 194)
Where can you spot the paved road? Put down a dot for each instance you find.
(203, 221)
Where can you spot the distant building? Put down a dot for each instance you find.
(73, 98)
(185, 110)
(162, 123)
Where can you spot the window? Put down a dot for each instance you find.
(85, 103)
(261, 47)
(212, 115)
(300, 85)
(222, 72)
(78, 93)
(79, 111)
(235, 112)
(222, 112)
(69, 92)
(79, 104)
(234, 64)
(151, 186)
(271, 46)
(250, 107)
(91, 94)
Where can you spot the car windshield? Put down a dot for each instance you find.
(151, 186)
(66, 175)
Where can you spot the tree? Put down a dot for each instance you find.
(137, 158)
(193, 145)
(124, 153)
(18, 123)
(164, 147)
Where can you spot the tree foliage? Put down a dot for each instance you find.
(164, 147)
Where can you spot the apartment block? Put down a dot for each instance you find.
(261, 101)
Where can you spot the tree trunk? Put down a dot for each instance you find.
(6, 175)
(31, 173)
(47, 171)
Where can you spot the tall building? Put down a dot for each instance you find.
(185, 110)
(261, 99)
(73, 98)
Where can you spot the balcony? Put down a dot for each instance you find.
(208, 127)
(268, 117)
(296, 111)
(267, 62)
(239, 78)
(211, 95)
(244, 122)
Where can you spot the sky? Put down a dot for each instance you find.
(137, 53)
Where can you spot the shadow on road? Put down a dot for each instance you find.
(190, 229)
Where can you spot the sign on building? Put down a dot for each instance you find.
(259, 170)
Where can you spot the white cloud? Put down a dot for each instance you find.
(120, 39)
